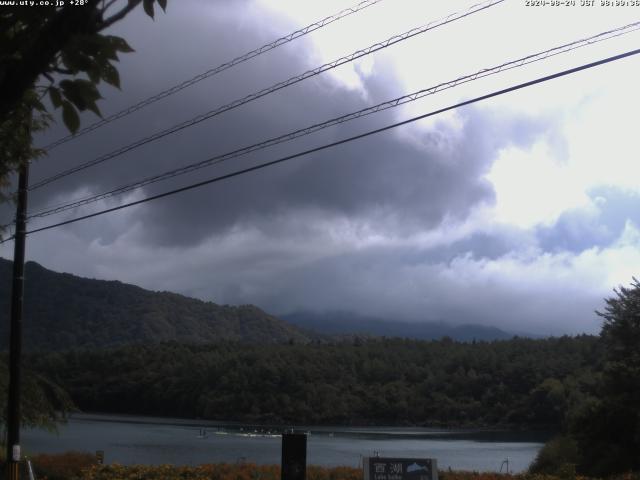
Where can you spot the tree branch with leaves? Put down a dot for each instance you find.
(61, 42)
(60, 53)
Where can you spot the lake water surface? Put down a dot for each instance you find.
(147, 440)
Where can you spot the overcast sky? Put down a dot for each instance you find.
(519, 212)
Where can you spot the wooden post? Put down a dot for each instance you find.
(15, 346)
(294, 456)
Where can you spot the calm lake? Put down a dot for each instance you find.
(147, 440)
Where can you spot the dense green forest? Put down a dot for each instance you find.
(63, 311)
(521, 382)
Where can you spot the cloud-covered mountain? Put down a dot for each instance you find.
(345, 323)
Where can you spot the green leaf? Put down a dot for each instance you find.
(110, 75)
(120, 44)
(94, 108)
(91, 44)
(38, 105)
(70, 117)
(148, 7)
(82, 93)
(104, 48)
(163, 5)
(56, 98)
(94, 73)
(74, 60)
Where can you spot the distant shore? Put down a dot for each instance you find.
(406, 430)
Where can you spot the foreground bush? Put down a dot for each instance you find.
(82, 466)
(221, 471)
(562, 475)
(557, 457)
(336, 473)
(272, 472)
(459, 475)
(62, 466)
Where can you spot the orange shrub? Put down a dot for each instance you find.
(62, 466)
(220, 471)
(462, 475)
(82, 466)
(336, 473)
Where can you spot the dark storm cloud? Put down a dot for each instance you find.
(480, 245)
(165, 56)
(336, 230)
(393, 184)
(397, 284)
(385, 180)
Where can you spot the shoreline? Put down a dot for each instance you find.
(384, 429)
(213, 429)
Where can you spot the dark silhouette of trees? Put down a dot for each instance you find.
(607, 428)
(61, 53)
(519, 382)
(57, 52)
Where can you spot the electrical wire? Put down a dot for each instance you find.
(214, 71)
(8, 239)
(343, 141)
(54, 209)
(12, 234)
(278, 86)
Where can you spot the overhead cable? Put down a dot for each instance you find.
(278, 86)
(214, 71)
(343, 141)
(341, 119)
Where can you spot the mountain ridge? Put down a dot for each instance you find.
(65, 311)
(348, 323)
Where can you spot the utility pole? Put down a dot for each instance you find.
(15, 346)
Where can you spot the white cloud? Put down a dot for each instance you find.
(532, 187)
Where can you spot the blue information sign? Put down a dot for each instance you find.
(381, 468)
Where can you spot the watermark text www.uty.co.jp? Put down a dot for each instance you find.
(42, 3)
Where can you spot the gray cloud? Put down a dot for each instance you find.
(336, 230)
(578, 230)
(383, 179)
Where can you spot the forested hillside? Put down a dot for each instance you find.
(520, 382)
(64, 311)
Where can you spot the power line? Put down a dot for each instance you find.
(278, 86)
(8, 239)
(343, 141)
(61, 207)
(214, 71)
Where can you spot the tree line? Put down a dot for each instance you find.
(520, 382)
